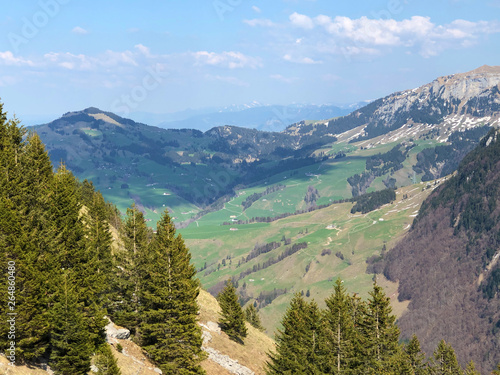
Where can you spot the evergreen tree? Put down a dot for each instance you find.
(297, 343)
(415, 356)
(106, 362)
(337, 332)
(497, 370)
(444, 361)
(136, 238)
(34, 172)
(96, 276)
(399, 364)
(71, 345)
(232, 320)
(252, 317)
(169, 330)
(471, 369)
(11, 229)
(379, 334)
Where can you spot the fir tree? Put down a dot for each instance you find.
(96, 276)
(444, 361)
(106, 362)
(169, 330)
(337, 332)
(35, 173)
(297, 343)
(71, 344)
(471, 369)
(232, 320)
(136, 238)
(379, 334)
(399, 364)
(252, 317)
(415, 356)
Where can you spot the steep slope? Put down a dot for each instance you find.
(222, 351)
(447, 266)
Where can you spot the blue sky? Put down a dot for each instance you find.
(165, 56)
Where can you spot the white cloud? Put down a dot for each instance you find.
(260, 22)
(302, 21)
(143, 50)
(8, 58)
(231, 60)
(79, 30)
(110, 59)
(280, 78)
(301, 60)
(365, 35)
(256, 9)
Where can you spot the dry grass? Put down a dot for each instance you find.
(252, 354)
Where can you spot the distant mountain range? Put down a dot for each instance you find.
(253, 115)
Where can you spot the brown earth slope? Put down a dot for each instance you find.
(447, 267)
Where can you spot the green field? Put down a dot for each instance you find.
(356, 237)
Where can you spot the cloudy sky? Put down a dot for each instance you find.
(168, 55)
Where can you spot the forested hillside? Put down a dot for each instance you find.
(448, 265)
(62, 272)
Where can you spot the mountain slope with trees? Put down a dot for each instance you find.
(63, 277)
(448, 265)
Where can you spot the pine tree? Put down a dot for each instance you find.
(136, 238)
(252, 317)
(471, 369)
(379, 334)
(34, 172)
(106, 362)
(97, 275)
(337, 332)
(399, 364)
(232, 320)
(444, 361)
(297, 343)
(169, 330)
(71, 250)
(71, 345)
(415, 356)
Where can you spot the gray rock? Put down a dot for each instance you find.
(117, 333)
(228, 363)
(206, 336)
(214, 327)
